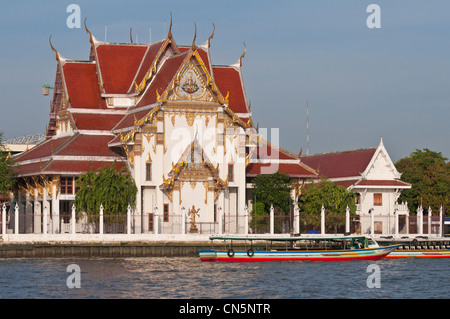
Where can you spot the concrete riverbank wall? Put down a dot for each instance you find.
(92, 250)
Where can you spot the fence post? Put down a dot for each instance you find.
(420, 220)
(296, 219)
(322, 220)
(429, 220)
(272, 219)
(129, 219)
(396, 222)
(44, 220)
(183, 220)
(220, 220)
(156, 225)
(73, 220)
(347, 219)
(156, 221)
(4, 219)
(101, 220)
(246, 220)
(16, 219)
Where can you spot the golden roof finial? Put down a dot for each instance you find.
(243, 54)
(85, 26)
(195, 36)
(169, 35)
(53, 48)
(131, 37)
(212, 34)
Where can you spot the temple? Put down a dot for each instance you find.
(182, 126)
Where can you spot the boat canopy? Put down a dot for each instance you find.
(294, 238)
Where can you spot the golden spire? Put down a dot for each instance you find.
(131, 37)
(243, 54)
(92, 38)
(169, 35)
(193, 40)
(85, 26)
(212, 34)
(53, 48)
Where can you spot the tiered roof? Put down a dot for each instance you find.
(138, 73)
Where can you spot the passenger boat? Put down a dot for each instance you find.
(420, 247)
(312, 248)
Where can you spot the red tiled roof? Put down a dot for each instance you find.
(267, 150)
(88, 145)
(148, 61)
(44, 149)
(118, 65)
(128, 120)
(162, 79)
(92, 146)
(79, 167)
(293, 170)
(228, 79)
(83, 85)
(340, 164)
(30, 169)
(91, 121)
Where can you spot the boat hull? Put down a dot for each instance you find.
(295, 255)
(419, 254)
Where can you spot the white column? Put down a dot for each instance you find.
(16, 219)
(396, 223)
(44, 218)
(347, 219)
(441, 222)
(220, 210)
(156, 221)
(322, 220)
(429, 220)
(296, 219)
(55, 209)
(183, 220)
(245, 220)
(129, 219)
(74, 220)
(37, 213)
(272, 219)
(372, 221)
(4, 219)
(156, 224)
(101, 220)
(420, 220)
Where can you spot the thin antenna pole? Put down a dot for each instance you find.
(307, 127)
(106, 30)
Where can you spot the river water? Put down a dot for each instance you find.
(181, 278)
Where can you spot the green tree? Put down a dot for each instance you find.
(7, 165)
(271, 189)
(108, 187)
(333, 197)
(428, 172)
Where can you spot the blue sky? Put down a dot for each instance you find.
(361, 84)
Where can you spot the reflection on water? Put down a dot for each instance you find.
(189, 278)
